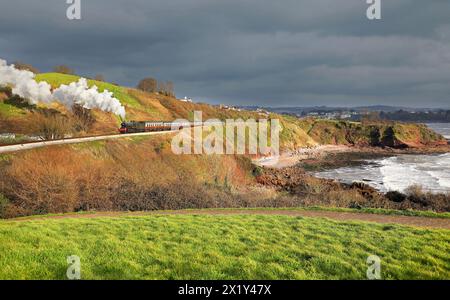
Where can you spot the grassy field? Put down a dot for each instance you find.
(219, 247)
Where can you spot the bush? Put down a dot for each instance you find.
(52, 126)
(426, 200)
(83, 118)
(416, 194)
(7, 90)
(3, 206)
(396, 196)
(43, 184)
(257, 171)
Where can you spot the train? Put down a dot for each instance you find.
(149, 126)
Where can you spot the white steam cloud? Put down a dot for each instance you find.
(80, 93)
(24, 85)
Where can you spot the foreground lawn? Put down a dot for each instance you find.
(219, 247)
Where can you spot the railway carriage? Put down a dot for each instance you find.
(149, 126)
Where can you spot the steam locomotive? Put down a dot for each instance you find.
(148, 126)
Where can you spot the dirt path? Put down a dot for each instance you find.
(426, 222)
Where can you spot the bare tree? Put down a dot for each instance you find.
(162, 87)
(63, 69)
(170, 89)
(99, 77)
(84, 119)
(166, 88)
(148, 85)
(52, 126)
(27, 67)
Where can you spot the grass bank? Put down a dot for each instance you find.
(219, 247)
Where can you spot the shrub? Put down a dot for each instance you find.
(83, 118)
(7, 90)
(43, 184)
(396, 196)
(257, 171)
(416, 194)
(52, 126)
(3, 205)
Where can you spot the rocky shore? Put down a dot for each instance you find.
(340, 155)
(292, 174)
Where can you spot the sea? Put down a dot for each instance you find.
(397, 173)
(442, 128)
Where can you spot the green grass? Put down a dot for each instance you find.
(56, 79)
(8, 110)
(219, 247)
(381, 211)
(377, 211)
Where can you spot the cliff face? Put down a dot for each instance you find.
(377, 134)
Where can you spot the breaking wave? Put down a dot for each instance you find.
(432, 172)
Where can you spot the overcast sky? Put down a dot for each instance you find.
(248, 52)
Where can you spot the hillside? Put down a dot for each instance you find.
(142, 174)
(386, 134)
(139, 173)
(16, 116)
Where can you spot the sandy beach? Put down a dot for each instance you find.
(291, 158)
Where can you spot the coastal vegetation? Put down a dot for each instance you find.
(120, 175)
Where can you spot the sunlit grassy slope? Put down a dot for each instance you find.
(56, 79)
(219, 247)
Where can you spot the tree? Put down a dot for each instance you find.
(166, 88)
(63, 69)
(170, 89)
(84, 119)
(99, 77)
(52, 126)
(371, 117)
(26, 67)
(148, 84)
(162, 87)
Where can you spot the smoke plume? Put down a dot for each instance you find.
(80, 93)
(23, 84)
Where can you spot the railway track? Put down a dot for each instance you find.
(40, 144)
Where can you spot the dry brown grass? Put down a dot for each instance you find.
(140, 174)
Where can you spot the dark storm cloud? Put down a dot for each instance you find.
(279, 53)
